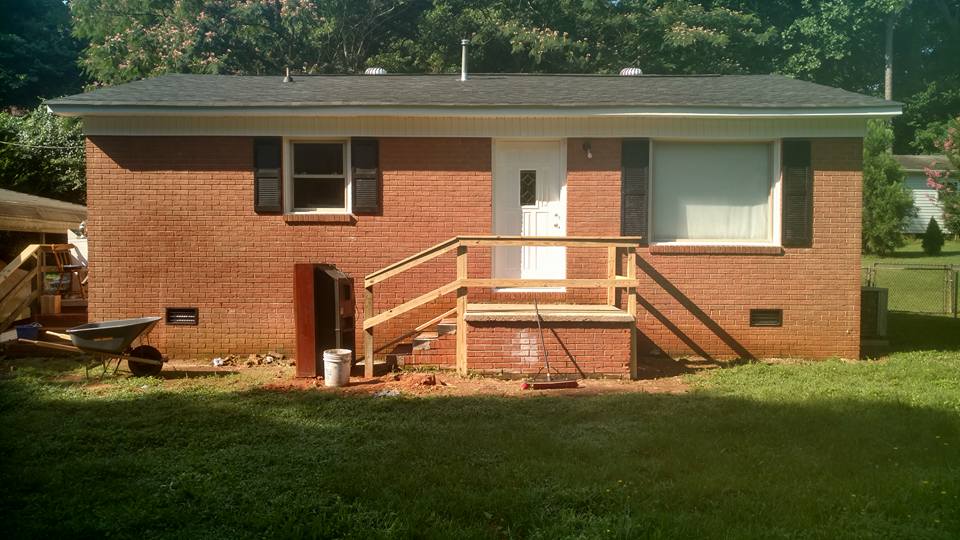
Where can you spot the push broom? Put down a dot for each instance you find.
(549, 383)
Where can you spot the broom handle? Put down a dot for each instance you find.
(543, 344)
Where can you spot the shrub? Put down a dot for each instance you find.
(887, 203)
(933, 238)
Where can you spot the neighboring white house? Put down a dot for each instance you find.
(924, 196)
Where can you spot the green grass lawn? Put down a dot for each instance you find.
(806, 450)
(916, 289)
(912, 253)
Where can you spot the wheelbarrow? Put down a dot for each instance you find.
(109, 340)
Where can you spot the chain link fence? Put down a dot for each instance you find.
(916, 288)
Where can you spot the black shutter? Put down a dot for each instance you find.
(267, 194)
(634, 187)
(797, 194)
(365, 155)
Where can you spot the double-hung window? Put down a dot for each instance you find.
(714, 192)
(319, 181)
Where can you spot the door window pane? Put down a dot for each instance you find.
(528, 188)
(318, 158)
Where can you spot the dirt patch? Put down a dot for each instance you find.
(448, 384)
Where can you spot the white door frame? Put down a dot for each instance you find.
(561, 143)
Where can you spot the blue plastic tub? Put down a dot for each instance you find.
(29, 331)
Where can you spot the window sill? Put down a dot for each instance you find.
(707, 249)
(320, 218)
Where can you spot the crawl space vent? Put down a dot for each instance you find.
(184, 316)
(766, 317)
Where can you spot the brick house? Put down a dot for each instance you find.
(712, 216)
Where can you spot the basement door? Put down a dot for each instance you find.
(529, 199)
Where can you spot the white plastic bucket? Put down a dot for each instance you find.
(336, 367)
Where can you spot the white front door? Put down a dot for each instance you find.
(529, 184)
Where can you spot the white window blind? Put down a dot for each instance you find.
(712, 191)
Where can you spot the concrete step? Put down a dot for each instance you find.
(447, 326)
(423, 340)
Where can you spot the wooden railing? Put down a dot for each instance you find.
(11, 283)
(612, 283)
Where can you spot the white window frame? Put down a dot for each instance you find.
(776, 214)
(288, 175)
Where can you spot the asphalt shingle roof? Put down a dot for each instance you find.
(480, 91)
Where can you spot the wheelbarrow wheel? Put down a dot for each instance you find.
(145, 369)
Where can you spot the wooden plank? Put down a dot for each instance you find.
(411, 304)
(16, 287)
(598, 241)
(461, 357)
(410, 262)
(632, 310)
(536, 283)
(611, 274)
(418, 329)
(18, 261)
(368, 312)
(51, 345)
(13, 314)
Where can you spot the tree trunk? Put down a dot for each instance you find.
(888, 59)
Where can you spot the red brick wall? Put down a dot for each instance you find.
(515, 348)
(172, 224)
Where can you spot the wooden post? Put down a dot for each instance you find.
(611, 274)
(632, 309)
(461, 311)
(953, 290)
(35, 305)
(368, 333)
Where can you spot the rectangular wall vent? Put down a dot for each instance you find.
(766, 317)
(184, 316)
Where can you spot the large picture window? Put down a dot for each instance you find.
(319, 182)
(713, 192)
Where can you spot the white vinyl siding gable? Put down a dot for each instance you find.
(925, 201)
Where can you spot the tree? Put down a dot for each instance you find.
(38, 56)
(132, 39)
(933, 240)
(887, 204)
(42, 154)
(946, 183)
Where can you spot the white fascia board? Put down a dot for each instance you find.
(498, 112)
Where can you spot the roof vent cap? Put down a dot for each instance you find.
(631, 72)
(375, 71)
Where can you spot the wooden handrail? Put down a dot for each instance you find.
(20, 259)
(410, 262)
(370, 322)
(435, 251)
(462, 283)
(565, 241)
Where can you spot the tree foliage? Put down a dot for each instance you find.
(38, 56)
(42, 154)
(945, 182)
(887, 203)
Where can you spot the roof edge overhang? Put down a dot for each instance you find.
(94, 109)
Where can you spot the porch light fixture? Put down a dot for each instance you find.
(588, 149)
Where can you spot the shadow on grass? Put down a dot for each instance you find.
(917, 332)
(311, 464)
